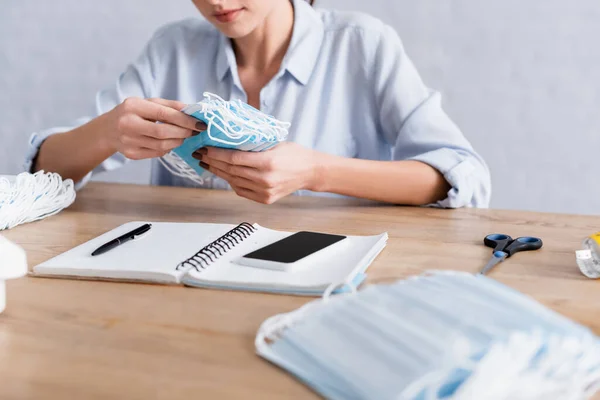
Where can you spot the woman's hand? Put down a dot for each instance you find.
(135, 133)
(265, 176)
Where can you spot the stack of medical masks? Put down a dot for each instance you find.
(230, 125)
(443, 335)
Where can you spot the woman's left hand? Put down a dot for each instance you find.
(265, 176)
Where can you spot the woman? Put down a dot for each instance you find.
(363, 122)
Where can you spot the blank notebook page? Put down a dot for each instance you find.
(153, 257)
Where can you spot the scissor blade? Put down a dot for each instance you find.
(497, 258)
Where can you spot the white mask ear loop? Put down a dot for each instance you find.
(274, 326)
(334, 286)
(178, 167)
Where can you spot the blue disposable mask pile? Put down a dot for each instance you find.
(444, 335)
(230, 125)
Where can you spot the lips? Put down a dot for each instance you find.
(227, 15)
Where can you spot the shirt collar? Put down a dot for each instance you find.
(305, 46)
(301, 56)
(225, 57)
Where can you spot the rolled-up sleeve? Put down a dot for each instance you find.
(37, 138)
(415, 125)
(136, 81)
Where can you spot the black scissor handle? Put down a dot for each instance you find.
(497, 241)
(525, 243)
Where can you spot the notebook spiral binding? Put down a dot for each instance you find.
(209, 253)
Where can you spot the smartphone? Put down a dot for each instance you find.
(290, 252)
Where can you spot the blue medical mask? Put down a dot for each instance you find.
(230, 125)
(441, 336)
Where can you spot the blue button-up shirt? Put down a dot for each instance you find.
(345, 84)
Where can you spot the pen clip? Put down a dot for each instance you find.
(135, 235)
(140, 235)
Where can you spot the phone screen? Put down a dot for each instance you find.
(295, 247)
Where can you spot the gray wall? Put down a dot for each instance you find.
(521, 78)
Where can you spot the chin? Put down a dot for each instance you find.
(235, 31)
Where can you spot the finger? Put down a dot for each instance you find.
(244, 187)
(235, 170)
(161, 131)
(174, 104)
(235, 157)
(140, 153)
(159, 145)
(249, 194)
(153, 111)
(168, 131)
(233, 180)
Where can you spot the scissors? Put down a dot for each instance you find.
(504, 246)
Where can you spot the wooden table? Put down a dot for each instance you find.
(67, 339)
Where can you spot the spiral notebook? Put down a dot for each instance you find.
(204, 255)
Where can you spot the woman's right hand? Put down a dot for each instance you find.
(136, 135)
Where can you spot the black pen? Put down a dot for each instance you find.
(122, 239)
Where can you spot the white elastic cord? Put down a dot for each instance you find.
(178, 167)
(235, 121)
(274, 326)
(340, 285)
(31, 197)
(238, 120)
